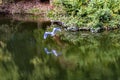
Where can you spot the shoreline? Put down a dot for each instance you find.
(31, 8)
(42, 9)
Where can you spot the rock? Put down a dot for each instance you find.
(73, 28)
(59, 23)
(84, 29)
(97, 30)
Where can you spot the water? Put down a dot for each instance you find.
(26, 55)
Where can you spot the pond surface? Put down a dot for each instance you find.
(26, 55)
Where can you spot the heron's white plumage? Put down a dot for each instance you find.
(51, 33)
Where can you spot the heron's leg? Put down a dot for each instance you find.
(55, 30)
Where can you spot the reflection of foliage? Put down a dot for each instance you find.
(95, 57)
(5, 32)
(85, 56)
(44, 70)
(88, 57)
(8, 70)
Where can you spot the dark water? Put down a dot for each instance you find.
(81, 56)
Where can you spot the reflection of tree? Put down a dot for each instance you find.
(85, 60)
(22, 47)
(90, 57)
(94, 57)
(17, 35)
(8, 69)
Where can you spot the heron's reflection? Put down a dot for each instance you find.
(53, 51)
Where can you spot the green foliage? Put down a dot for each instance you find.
(103, 15)
(89, 13)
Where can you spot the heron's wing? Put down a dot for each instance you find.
(46, 34)
(54, 52)
(55, 30)
(51, 33)
(46, 50)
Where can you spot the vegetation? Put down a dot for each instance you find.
(87, 13)
(81, 13)
(84, 56)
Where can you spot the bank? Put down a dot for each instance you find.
(34, 7)
(94, 16)
(87, 15)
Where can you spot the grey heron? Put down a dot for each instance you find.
(51, 33)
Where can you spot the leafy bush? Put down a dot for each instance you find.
(89, 13)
